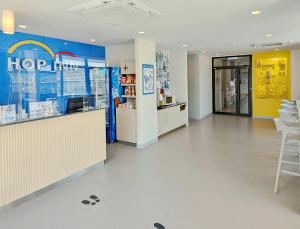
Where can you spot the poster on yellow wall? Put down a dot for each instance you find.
(272, 78)
(271, 81)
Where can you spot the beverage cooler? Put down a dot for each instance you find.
(115, 98)
(110, 79)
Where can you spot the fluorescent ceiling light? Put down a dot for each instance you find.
(256, 12)
(184, 45)
(22, 26)
(8, 22)
(141, 32)
(269, 35)
(92, 40)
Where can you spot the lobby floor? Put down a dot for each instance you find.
(215, 174)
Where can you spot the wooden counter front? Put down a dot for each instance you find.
(34, 155)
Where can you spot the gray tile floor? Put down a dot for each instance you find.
(218, 173)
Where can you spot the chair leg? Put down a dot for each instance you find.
(280, 163)
(298, 157)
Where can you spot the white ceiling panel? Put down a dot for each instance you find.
(218, 26)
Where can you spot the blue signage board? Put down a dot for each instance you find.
(36, 68)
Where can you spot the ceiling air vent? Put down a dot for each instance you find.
(270, 45)
(116, 12)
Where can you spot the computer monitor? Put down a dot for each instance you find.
(75, 105)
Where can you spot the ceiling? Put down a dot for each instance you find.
(218, 26)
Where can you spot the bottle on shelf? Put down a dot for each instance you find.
(128, 82)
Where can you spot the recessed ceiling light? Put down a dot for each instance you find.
(184, 45)
(92, 40)
(269, 35)
(8, 22)
(256, 12)
(141, 32)
(22, 26)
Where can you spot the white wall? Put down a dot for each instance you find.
(193, 86)
(295, 74)
(178, 74)
(116, 54)
(200, 86)
(147, 133)
(205, 74)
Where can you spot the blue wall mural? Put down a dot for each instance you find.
(37, 68)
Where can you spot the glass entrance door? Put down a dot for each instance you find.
(244, 100)
(225, 90)
(232, 85)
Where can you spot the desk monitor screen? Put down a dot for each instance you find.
(75, 105)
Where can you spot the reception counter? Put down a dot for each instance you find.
(36, 154)
(171, 117)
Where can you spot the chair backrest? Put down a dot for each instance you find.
(288, 102)
(286, 129)
(289, 107)
(288, 117)
(286, 112)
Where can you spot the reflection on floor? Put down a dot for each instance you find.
(218, 173)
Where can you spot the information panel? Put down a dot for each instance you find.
(39, 75)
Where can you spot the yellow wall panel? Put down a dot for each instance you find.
(271, 81)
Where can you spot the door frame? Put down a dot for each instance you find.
(249, 67)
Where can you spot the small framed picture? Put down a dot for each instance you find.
(148, 79)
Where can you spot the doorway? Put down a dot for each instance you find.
(232, 90)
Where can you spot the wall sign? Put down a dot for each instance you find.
(163, 71)
(148, 79)
(28, 64)
(272, 79)
(35, 69)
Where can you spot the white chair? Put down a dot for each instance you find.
(279, 123)
(289, 147)
(288, 102)
(292, 108)
(288, 118)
